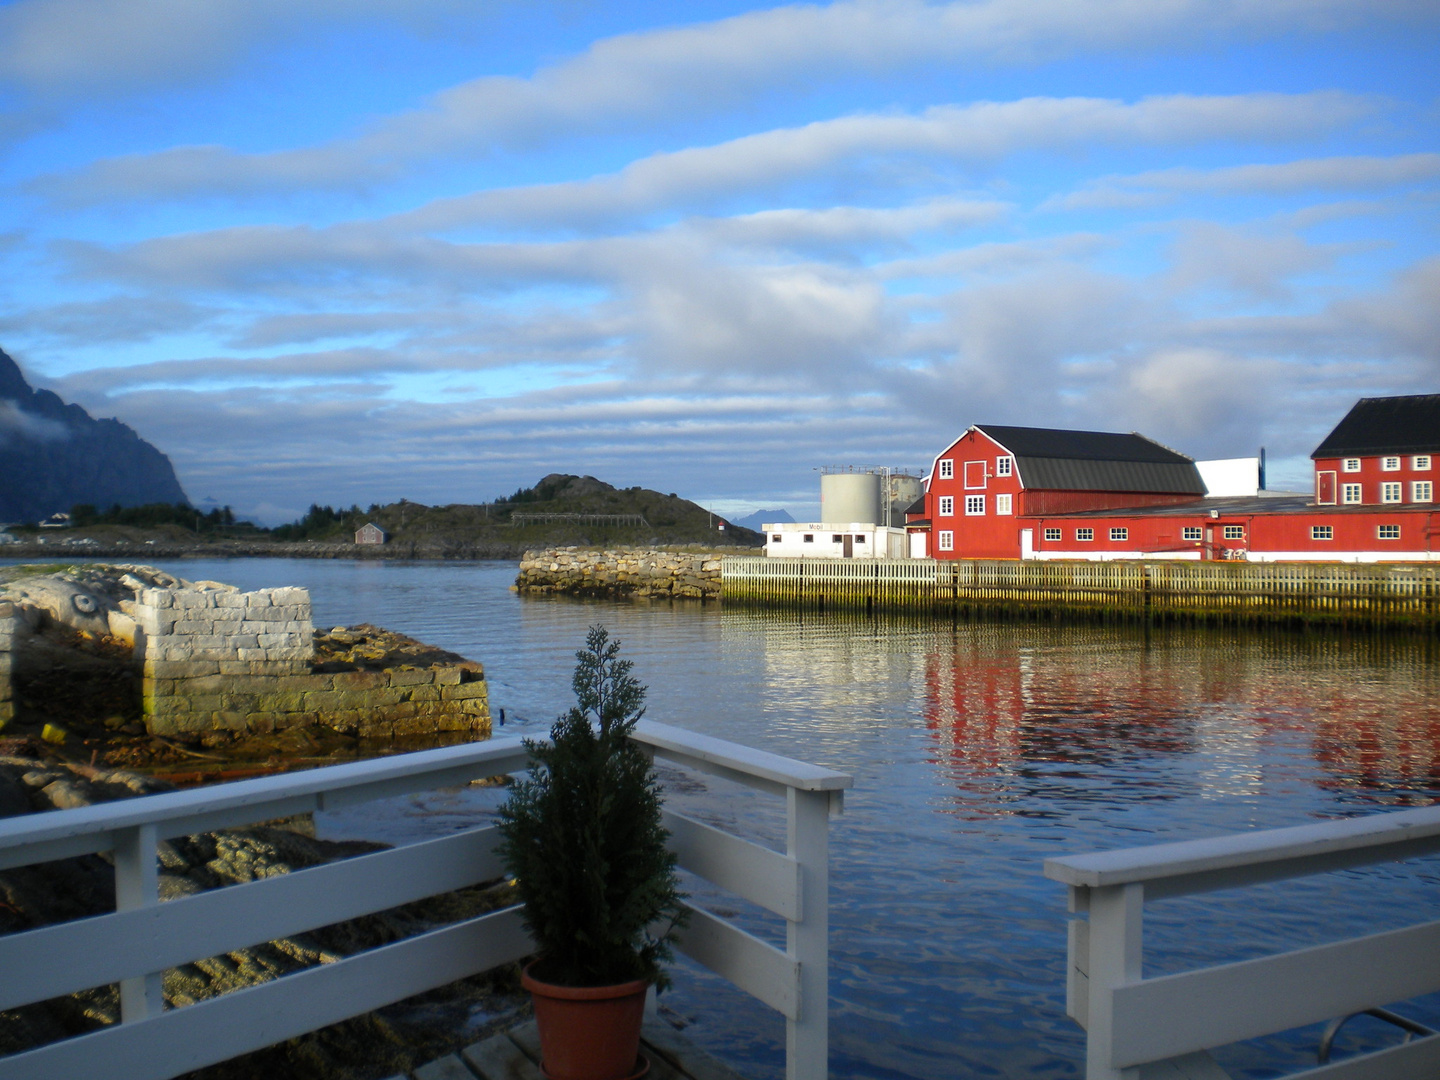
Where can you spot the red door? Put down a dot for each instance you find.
(1325, 488)
(975, 474)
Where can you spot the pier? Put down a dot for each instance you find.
(1388, 595)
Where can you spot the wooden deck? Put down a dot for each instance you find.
(515, 1055)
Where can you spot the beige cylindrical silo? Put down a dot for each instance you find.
(850, 497)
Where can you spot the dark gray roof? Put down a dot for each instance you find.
(1386, 425)
(1054, 459)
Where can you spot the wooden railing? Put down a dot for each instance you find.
(134, 945)
(1138, 1028)
(1124, 589)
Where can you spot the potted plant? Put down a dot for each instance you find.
(582, 837)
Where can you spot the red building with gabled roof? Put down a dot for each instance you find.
(1041, 493)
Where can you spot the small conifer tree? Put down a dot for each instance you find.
(583, 839)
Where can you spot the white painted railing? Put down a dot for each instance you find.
(1140, 1028)
(134, 945)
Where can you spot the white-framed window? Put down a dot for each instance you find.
(1351, 464)
(1004, 466)
(1003, 504)
(947, 506)
(1390, 492)
(837, 538)
(859, 538)
(1350, 494)
(1422, 491)
(776, 538)
(1052, 534)
(1191, 532)
(1084, 535)
(1322, 532)
(1387, 532)
(947, 468)
(1390, 464)
(974, 505)
(809, 538)
(947, 540)
(1119, 533)
(1420, 463)
(1234, 532)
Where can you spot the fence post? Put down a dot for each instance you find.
(137, 884)
(807, 1039)
(1116, 944)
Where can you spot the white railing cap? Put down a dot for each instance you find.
(742, 759)
(174, 806)
(1215, 854)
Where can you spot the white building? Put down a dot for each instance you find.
(835, 540)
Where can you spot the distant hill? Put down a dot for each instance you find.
(764, 517)
(561, 509)
(54, 455)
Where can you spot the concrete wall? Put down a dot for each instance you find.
(620, 572)
(220, 659)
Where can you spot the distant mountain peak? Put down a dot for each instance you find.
(54, 455)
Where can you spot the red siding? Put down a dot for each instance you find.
(1071, 502)
(1371, 476)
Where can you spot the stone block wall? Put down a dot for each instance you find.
(219, 659)
(11, 627)
(620, 572)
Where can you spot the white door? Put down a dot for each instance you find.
(1027, 543)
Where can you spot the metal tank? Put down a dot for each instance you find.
(903, 491)
(850, 497)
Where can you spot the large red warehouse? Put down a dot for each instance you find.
(1023, 493)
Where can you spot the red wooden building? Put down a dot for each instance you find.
(1022, 493)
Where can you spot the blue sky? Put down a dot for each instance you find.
(358, 250)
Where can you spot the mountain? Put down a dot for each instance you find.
(764, 517)
(54, 455)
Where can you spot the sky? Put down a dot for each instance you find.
(345, 251)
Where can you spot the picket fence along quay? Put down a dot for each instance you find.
(1351, 594)
(136, 944)
(1139, 1029)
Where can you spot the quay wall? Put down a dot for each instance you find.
(220, 659)
(620, 572)
(12, 626)
(1344, 594)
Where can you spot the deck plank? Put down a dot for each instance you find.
(449, 1067)
(663, 1043)
(498, 1058)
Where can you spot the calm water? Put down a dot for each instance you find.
(977, 751)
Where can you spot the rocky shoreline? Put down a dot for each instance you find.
(640, 573)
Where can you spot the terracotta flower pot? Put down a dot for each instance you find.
(588, 1032)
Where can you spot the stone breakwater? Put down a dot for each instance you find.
(219, 659)
(11, 627)
(620, 572)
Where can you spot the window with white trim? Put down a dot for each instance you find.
(1351, 464)
(1390, 464)
(776, 538)
(1004, 466)
(1390, 492)
(1003, 504)
(947, 468)
(1084, 535)
(1387, 532)
(809, 538)
(1052, 534)
(1191, 532)
(1350, 494)
(1420, 463)
(1422, 491)
(1234, 532)
(837, 538)
(974, 505)
(947, 540)
(1119, 533)
(947, 506)
(1322, 532)
(859, 538)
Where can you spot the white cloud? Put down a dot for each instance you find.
(618, 82)
(1256, 265)
(1357, 173)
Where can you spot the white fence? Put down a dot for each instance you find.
(1163, 1027)
(135, 945)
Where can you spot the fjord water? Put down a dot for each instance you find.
(978, 749)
